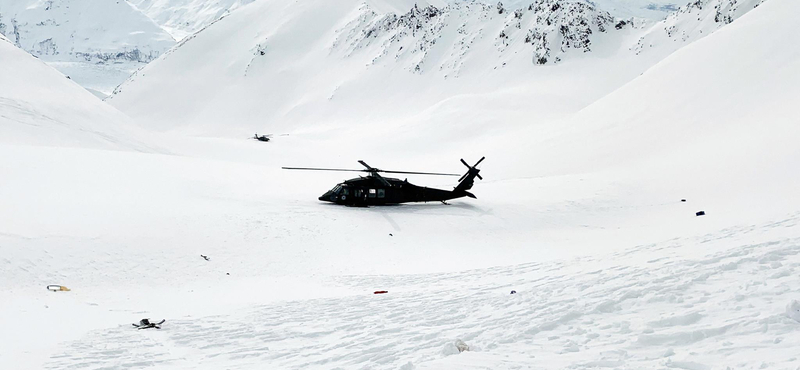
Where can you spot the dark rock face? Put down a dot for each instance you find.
(560, 25)
(134, 55)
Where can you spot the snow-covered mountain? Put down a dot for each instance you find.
(96, 42)
(182, 18)
(340, 57)
(287, 56)
(551, 28)
(697, 126)
(40, 106)
(648, 9)
(693, 21)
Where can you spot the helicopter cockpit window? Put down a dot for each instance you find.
(336, 189)
(345, 191)
(381, 193)
(372, 193)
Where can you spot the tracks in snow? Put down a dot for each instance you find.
(642, 308)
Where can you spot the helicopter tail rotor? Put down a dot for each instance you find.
(465, 182)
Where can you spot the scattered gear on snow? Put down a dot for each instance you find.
(146, 324)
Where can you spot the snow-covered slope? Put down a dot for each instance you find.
(185, 17)
(263, 66)
(693, 21)
(714, 119)
(279, 67)
(40, 106)
(97, 42)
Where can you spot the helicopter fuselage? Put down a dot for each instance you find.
(369, 190)
(375, 189)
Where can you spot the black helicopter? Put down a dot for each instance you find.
(264, 138)
(375, 189)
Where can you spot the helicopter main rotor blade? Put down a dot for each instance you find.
(421, 173)
(367, 166)
(322, 169)
(369, 169)
(376, 170)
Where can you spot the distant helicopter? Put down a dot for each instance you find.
(264, 138)
(374, 189)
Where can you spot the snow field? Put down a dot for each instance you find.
(579, 212)
(618, 311)
(125, 231)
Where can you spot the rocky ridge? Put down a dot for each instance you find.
(545, 30)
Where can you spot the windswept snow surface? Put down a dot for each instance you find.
(579, 213)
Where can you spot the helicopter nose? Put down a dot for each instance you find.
(327, 197)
